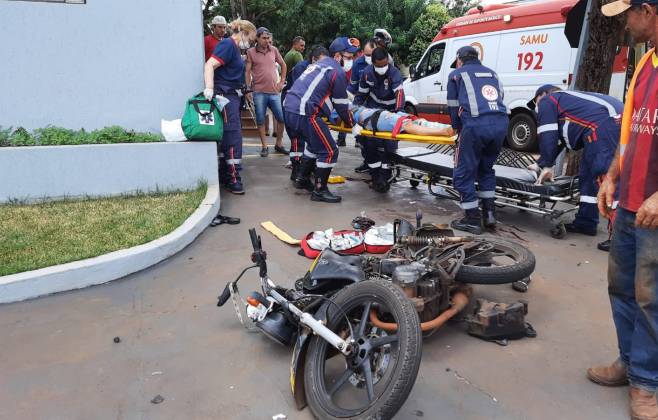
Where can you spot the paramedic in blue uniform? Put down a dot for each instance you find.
(380, 87)
(224, 76)
(298, 140)
(578, 120)
(360, 64)
(319, 90)
(477, 113)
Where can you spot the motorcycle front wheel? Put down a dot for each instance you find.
(376, 379)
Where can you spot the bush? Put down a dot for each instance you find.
(55, 136)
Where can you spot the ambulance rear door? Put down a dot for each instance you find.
(428, 84)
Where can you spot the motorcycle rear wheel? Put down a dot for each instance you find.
(376, 380)
(507, 262)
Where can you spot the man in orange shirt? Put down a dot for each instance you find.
(633, 260)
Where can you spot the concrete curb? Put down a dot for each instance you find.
(112, 266)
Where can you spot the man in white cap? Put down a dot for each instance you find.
(217, 33)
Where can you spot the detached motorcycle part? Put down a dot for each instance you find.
(403, 350)
(277, 327)
(402, 228)
(498, 321)
(496, 261)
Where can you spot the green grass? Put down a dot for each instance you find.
(57, 136)
(41, 235)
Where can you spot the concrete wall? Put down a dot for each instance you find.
(106, 62)
(33, 173)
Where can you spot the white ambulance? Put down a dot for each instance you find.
(523, 42)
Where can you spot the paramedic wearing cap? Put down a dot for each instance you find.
(578, 120)
(217, 33)
(477, 113)
(224, 75)
(633, 260)
(321, 88)
(348, 61)
(298, 139)
(360, 64)
(380, 87)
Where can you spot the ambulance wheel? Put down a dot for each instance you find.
(410, 109)
(559, 231)
(522, 133)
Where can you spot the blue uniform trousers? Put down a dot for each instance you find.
(295, 128)
(377, 152)
(480, 141)
(595, 161)
(320, 145)
(230, 155)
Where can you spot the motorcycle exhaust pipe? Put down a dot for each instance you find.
(459, 302)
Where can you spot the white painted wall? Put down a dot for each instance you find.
(33, 173)
(106, 62)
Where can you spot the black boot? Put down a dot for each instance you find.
(469, 223)
(295, 163)
(377, 180)
(387, 175)
(489, 212)
(321, 192)
(303, 180)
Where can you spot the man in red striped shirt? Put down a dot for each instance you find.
(633, 261)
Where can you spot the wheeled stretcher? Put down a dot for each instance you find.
(515, 185)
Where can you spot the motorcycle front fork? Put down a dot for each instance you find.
(316, 326)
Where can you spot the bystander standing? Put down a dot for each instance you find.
(217, 33)
(261, 76)
(633, 260)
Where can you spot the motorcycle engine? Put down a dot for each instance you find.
(421, 288)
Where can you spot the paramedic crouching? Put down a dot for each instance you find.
(578, 120)
(321, 87)
(477, 113)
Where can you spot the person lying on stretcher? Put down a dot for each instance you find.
(394, 122)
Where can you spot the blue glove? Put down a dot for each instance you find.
(333, 118)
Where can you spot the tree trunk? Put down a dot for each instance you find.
(595, 70)
(234, 9)
(596, 67)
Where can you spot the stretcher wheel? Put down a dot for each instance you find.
(559, 231)
(415, 181)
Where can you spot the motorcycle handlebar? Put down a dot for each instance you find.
(255, 240)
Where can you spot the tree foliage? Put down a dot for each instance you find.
(425, 29)
(319, 22)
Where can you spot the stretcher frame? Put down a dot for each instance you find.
(545, 205)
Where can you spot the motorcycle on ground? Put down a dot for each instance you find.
(343, 365)
(357, 322)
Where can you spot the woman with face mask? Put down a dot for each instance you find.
(360, 64)
(380, 87)
(224, 76)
